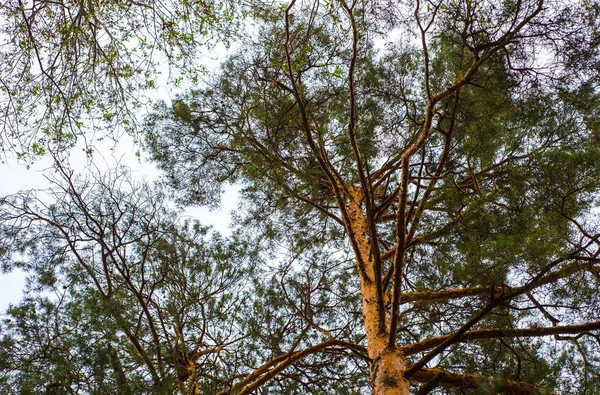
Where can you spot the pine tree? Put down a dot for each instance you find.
(459, 165)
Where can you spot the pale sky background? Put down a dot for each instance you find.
(15, 176)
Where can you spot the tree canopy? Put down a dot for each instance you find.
(418, 210)
(72, 69)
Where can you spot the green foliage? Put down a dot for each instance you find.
(105, 259)
(520, 178)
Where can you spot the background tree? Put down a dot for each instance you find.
(122, 296)
(420, 181)
(82, 68)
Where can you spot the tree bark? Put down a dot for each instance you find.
(388, 373)
(389, 364)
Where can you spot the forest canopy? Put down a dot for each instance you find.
(418, 208)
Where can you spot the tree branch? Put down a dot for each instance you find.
(434, 296)
(272, 368)
(531, 284)
(364, 181)
(473, 381)
(500, 333)
(339, 187)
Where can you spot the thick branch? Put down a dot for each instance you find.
(499, 333)
(364, 181)
(472, 381)
(404, 163)
(565, 271)
(339, 187)
(531, 284)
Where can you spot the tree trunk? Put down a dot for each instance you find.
(387, 371)
(388, 363)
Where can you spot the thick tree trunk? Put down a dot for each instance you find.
(388, 363)
(388, 372)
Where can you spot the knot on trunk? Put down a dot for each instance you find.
(387, 380)
(383, 373)
(387, 372)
